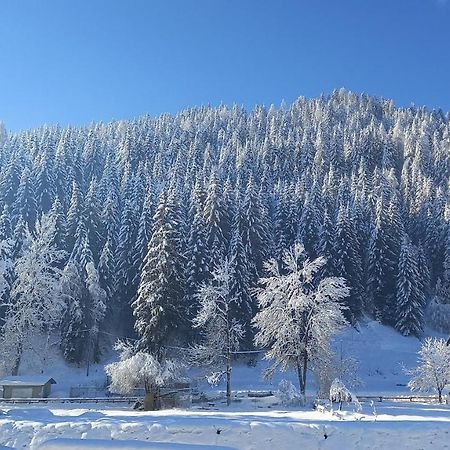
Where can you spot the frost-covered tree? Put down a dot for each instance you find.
(36, 304)
(221, 328)
(139, 369)
(298, 314)
(433, 370)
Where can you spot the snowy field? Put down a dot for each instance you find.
(249, 423)
(395, 425)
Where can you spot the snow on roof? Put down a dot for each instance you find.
(35, 380)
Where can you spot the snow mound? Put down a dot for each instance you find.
(102, 444)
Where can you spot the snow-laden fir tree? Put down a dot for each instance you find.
(218, 318)
(159, 308)
(347, 261)
(73, 324)
(197, 264)
(383, 264)
(298, 314)
(241, 280)
(6, 261)
(96, 311)
(124, 252)
(84, 314)
(410, 299)
(25, 204)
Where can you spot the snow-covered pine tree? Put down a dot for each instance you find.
(74, 215)
(45, 183)
(197, 262)
(347, 261)
(73, 323)
(144, 232)
(410, 299)
(82, 253)
(6, 261)
(325, 243)
(57, 215)
(92, 217)
(125, 245)
(383, 264)
(241, 282)
(159, 308)
(216, 223)
(25, 204)
(254, 229)
(107, 268)
(96, 312)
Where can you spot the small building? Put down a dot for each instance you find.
(26, 386)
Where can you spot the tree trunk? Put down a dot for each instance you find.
(15, 368)
(305, 368)
(301, 373)
(149, 401)
(228, 383)
(440, 395)
(229, 362)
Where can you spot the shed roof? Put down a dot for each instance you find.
(35, 380)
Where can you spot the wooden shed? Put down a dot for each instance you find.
(26, 386)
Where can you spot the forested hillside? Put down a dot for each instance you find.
(114, 227)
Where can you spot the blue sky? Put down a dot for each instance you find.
(75, 61)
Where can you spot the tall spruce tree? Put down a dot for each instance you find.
(410, 299)
(159, 308)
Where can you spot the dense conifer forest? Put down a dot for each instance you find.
(110, 229)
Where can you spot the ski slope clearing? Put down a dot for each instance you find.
(400, 425)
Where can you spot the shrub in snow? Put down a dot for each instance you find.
(289, 394)
(299, 315)
(433, 371)
(137, 369)
(339, 394)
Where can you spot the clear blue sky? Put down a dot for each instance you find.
(75, 61)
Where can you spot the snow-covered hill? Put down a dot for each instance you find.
(381, 353)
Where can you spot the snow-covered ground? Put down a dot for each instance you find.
(242, 426)
(249, 423)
